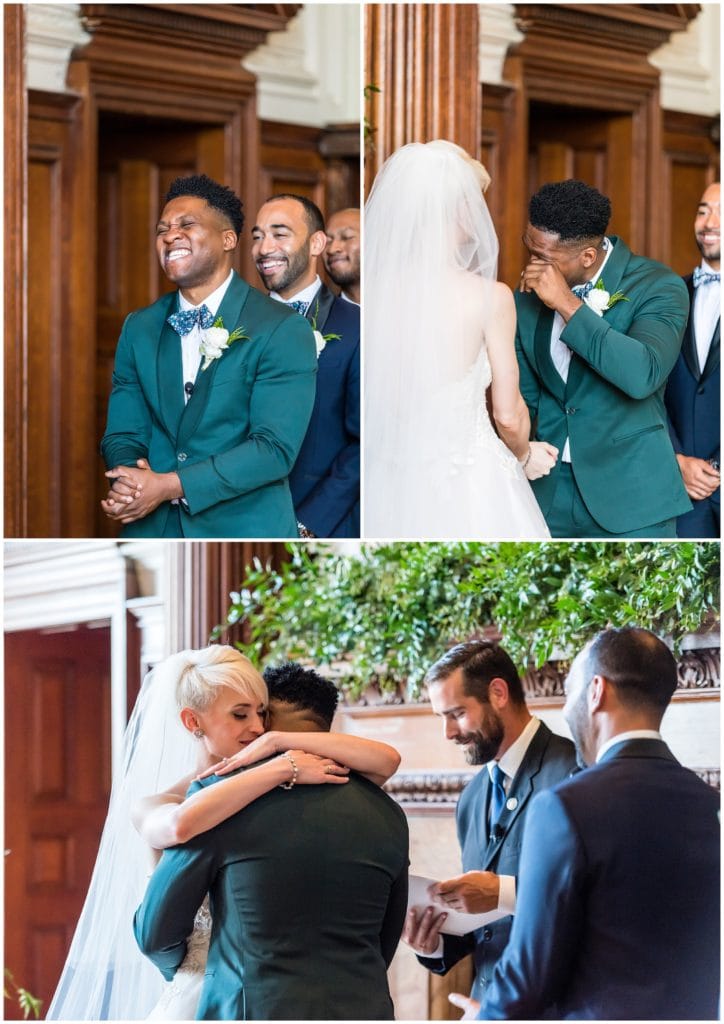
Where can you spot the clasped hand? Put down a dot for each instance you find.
(137, 490)
(543, 457)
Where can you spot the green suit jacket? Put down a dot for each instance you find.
(612, 405)
(235, 441)
(308, 894)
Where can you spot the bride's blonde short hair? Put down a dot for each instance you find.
(212, 667)
(480, 172)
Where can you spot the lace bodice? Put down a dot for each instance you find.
(180, 997)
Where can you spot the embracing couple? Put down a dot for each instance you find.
(281, 890)
(576, 364)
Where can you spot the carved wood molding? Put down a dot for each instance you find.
(439, 792)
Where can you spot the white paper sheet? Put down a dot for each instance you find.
(457, 922)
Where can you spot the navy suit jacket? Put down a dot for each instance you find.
(325, 479)
(618, 904)
(693, 405)
(549, 759)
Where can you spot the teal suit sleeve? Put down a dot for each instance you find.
(128, 429)
(529, 384)
(640, 361)
(546, 935)
(395, 917)
(175, 892)
(281, 404)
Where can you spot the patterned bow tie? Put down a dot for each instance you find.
(582, 290)
(705, 277)
(299, 307)
(185, 320)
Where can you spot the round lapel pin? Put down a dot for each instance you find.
(511, 803)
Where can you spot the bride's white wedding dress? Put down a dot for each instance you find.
(180, 997)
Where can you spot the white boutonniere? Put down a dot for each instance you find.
(216, 339)
(599, 300)
(319, 338)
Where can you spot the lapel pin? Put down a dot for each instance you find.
(511, 803)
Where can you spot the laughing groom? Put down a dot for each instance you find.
(213, 388)
(599, 332)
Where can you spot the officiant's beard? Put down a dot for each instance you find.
(481, 747)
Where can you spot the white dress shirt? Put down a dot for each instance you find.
(305, 295)
(632, 734)
(345, 296)
(706, 310)
(560, 352)
(191, 342)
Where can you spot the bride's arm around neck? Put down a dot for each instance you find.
(509, 410)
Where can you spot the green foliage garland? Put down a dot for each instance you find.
(388, 612)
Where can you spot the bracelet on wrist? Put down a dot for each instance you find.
(295, 772)
(524, 462)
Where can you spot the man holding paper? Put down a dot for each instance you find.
(476, 690)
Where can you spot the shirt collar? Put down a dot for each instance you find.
(632, 734)
(343, 295)
(707, 268)
(512, 759)
(305, 295)
(212, 302)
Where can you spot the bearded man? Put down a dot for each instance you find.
(476, 690)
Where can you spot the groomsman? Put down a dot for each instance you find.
(342, 256)
(288, 237)
(599, 332)
(618, 911)
(477, 692)
(693, 390)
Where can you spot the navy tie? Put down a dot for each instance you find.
(582, 290)
(497, 795)
(299, 307)
(705, 277)
(185, 320)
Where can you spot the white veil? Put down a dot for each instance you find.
(105, 976)
(430, 259)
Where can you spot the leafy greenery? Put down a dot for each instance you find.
(385, 614)
(28, 1003)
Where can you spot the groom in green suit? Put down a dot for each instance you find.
(307, 885)
(599, 331)
(213, 388)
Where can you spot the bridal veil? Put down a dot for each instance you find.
(105, 976)
(430, 262)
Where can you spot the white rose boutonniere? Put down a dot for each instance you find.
(599, 300)
(319, 338)
(216, 340)
(320, 342)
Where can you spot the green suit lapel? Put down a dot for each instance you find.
(542, 342)
(230, 311)
(612, 277)
(169, 368)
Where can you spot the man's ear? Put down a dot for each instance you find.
(498, 693)
(589, 255)
(231, 240)
(317, 243)
(597, 691)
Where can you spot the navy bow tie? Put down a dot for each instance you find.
(185, 320)
(300, 307)
(705, 277)
(582, 290)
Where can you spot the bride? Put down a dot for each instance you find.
(195, 709)
(439, 331)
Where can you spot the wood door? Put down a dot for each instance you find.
(58, 774)
(138, 160)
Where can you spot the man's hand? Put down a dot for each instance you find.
(475, 892)
(551, 287)
(543, 457)
(137, 490)
(422, 932)
(471, 1006)
(700, 479)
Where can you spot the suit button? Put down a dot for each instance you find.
(181, 456)
(570, 410)
(487, 934)
(700, 391)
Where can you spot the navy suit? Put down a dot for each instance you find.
(693, 405)
(325, 479)
(549, 759)
(618, 903)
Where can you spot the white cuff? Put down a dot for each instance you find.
(506, 896)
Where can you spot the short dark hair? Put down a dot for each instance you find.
(220, 197)
(315, 220)
(638, 663)
(480, 661)
(304, 689)
(574, 211)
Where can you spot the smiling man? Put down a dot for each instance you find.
(288, 238)
(599, 332)
(203, 447)
(342, 254)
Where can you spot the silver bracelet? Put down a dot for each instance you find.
(526, 460)
(295, 772)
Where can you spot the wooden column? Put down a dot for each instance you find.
(423, 58)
